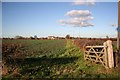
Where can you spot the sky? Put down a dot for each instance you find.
(59, 19)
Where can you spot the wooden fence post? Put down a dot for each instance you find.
(110, 54)
(106, 55)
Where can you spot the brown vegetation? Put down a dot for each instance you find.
(11, 52)
(82, 42)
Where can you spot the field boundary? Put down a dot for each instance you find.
(100, 54)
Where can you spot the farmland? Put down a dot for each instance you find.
(49, 59)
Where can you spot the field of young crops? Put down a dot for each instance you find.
(48, 59)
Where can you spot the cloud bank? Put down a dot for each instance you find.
(78, 18)
(76, 23)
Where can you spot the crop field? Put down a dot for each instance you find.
(25, 59)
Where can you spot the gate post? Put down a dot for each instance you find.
(106, 56)
(110, 54)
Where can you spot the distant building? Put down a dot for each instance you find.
(51, 37)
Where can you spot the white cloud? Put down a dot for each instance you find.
(74, 13)
(84, 2)
(82, 18)
(76, 22)
(78, 18)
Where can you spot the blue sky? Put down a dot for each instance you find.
(42, 19)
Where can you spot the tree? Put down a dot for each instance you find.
(31, 37)
(107, 37)
(67, 36)
(35, 37)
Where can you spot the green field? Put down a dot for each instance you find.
(49, 59)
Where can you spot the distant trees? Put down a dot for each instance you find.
(67, 36)
(31, 37)
(35, 37)
(49, 37)
(21, 37)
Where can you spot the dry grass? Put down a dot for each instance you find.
(81, 43)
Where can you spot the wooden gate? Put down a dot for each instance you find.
(100, 54)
